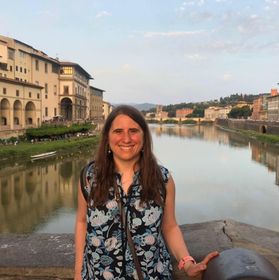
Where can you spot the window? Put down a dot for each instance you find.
(21, 54)
(16, 68)
(55, 68)
(20, 69)
(17, 92)
(46, 88)
(4, 91)
(25, 71)
(37, 64)
(11, 54)
(30, 94)
(66, 70)
(55, 111)
(46, 68)
(16, 120)
(11, 68)
(55, 90)
(66, 90)
(38, 96)
(4, 121)
(46, 111)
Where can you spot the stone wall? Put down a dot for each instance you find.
(51, 256)
(267, 127)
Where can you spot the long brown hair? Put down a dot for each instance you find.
(151, 179)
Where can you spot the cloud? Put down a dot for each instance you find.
(195, 57)
(103, 14)
(227, 77)
(274, 2)
(171, 34)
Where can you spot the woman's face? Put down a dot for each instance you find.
(125, 139)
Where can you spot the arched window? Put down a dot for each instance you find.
(3, 121)
(16, 120)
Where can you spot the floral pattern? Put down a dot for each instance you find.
(107, 254)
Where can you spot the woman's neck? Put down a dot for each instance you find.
(126, 167)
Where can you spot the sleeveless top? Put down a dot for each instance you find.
(107, 254)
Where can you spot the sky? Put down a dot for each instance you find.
(156, 51)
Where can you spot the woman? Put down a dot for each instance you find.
(126, 193)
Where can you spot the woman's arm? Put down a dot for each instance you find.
(80, 232)
(173, 235)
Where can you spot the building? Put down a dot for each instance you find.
(182, 113)
(20, 104)
(160, 113)
(273, 106)
(213, 113)
(107, 108)
(74, 91)
(260, 107)
(96, 104)
(35, 88)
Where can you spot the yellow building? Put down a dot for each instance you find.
(96, 104)
(22, 63)
(34, 88)
(107, 108)
(212, 113)
(74, 91)
(20, 105)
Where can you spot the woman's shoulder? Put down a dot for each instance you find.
(165, 173)
(90, 168)
(86, 178)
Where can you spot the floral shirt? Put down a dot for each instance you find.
(107, 254)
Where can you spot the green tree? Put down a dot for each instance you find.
(240, 112)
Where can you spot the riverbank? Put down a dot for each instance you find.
(263, 131)
(51, 256)
(23, 151)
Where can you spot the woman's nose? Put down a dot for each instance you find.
(126, 136)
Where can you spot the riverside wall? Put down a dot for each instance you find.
(51, 256)
(268, 127)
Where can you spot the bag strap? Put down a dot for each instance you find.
(128, 233)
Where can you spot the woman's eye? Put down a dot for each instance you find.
(134, 130)
(117, 131)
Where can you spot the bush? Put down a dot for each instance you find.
(54, 131)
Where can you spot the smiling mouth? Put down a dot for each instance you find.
(126, 148)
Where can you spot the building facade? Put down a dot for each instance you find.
(35, 88)
(213, 113)
(260, 108)
(22, 63)
(96, 104)
(20, 104)
(107, 108)
(74, 91)
(182, 113)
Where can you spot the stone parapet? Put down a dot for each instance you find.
(51, 256)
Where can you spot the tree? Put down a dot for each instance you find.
(240, 112)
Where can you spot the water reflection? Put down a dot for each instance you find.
(31, 195)
(213, 163)
(262, 153)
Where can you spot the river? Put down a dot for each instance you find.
(218, 175)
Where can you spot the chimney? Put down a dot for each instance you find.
(274, 92)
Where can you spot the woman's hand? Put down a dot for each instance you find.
(194, 270)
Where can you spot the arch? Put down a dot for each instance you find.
(30, 113)
(67, 108)
(5, 112)
(263, 129)
(17, 113)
